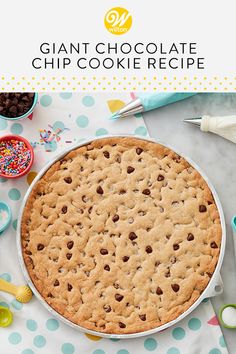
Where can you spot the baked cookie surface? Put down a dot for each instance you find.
(121, 235)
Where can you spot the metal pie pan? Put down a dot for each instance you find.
(213, 288)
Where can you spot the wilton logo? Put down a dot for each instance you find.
(118, 20)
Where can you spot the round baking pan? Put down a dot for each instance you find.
(213, 288)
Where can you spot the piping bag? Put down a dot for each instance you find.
(224, 126)
(148, 101)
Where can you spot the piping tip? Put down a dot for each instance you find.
(195, 121)
(115, 116)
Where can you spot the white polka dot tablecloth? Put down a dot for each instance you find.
(59, 121)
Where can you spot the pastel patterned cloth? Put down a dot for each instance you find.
(58, 121)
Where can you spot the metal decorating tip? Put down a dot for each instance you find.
(195, 121)
(115, 116)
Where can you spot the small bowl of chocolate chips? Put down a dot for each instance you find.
(17, 105)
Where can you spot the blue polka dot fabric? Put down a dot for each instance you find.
(59, 121)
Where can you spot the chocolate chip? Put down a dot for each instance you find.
(167, 274)
(149, 249)
(68, 180)
(175, 287)
(132, 236)
(106, 154)
(159, 291)
(69, 287)
(56, 282)
(146, 191)
(107, 308)
(99, 190)
(28, 252)
(142, 317)
(122, 325)
(190, 237)
(116, 286)
(119, 297)
(122, 191)
(139, 151)
(40, 247)
(68, 255)
(107, 268)
(214, 245)
(125, 259)
(64, 209)
(130, 169)
(70, 244)
(103, 251)
(13, 110)
(175, 247)
(118, 159)
(202, 208)
(160, 178)
(173, 260)
(115, 218)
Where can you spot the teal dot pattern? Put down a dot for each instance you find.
(194, 324)
(16, 128)
(14, 224)
(88, 101)
(39, 341)
(65, 95)
(101, 131)
(114, 339)
(2, 180)
(14, 194)
(14, 338)
(215, 351)
(178, 333)
(48, 332)
(46, 100)
(52, 324)
(58, 125)
(6, 276)
(27, 351)
(16, 304)
(82, 121)
(141, 131)
(67, 348)
(31, 325)
(222, 342)
(3, 124)
(150, 344)
(173, 350)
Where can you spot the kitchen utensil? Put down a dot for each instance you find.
(227, 316)
(22, 292)
(146, 102)
(224, 126)
(5, 216)
(6, 317)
